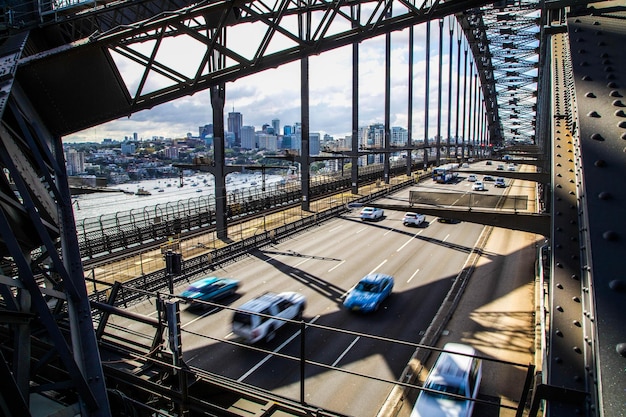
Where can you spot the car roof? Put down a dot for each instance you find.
(375, 278)
(205, 281)
(453, 365)
(261, 302)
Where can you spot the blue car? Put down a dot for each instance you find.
(210, 289)
(369, 293)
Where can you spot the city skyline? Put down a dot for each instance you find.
(275, 94)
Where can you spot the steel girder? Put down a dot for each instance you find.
(504, 39)
(42, 274)
(90, 61)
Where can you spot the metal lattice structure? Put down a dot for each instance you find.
(49, 47)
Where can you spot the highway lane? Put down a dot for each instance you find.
(324, 263)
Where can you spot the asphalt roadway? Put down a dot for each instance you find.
(499, 323)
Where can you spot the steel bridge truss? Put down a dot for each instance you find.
(49, 48)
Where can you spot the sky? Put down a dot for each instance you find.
(275, 93)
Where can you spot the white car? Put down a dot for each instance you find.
(510, 167)
(259, 318)
(413, 219)
(478, 186)
(372, 213)
(472, 178)
(456, 371)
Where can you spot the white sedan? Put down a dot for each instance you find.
(372, 213)
(478, 186)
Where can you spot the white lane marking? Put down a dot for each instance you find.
(409, 241)
(391, 229)
(334, 228)
(301, 262)
(413, 276)
(213, 310)
(268, 357)
(379, 265)
(337, 266)
(446, 238)
(360, 230)
(371, 272)
(345, 351)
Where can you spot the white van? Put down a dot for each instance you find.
(456, 371)
(274, 309)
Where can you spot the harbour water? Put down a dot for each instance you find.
(165, 190)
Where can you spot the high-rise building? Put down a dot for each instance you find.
(314, 143)
(276, 126)
(235, 122)
(248, 138)
(75, 162)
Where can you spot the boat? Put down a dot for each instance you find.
(142, 191)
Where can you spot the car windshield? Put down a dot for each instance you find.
(243, 318)
(450, 389)
(368, 287)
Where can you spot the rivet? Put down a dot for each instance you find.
(615, 93)
(576, 299)
(620, 113)
(558, 360)
(608, 69)
(584, 64)
(618, 285)
(597, 136)
(593, 114)
(582, 51)
(577, 378)
(559, 333)
(574, 276)
(621, 349)
(618, 103)
(559, 308)
(577, 349)
(596, 23)
(622, 124)
(610, 235)
(586, 78)
(605, 195)
(612, 84)
(606, 62)
(601, 43)
(576, 323)
(590, 95)
(600, 163)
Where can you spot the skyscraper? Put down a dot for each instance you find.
(276, 126)
(235, 121)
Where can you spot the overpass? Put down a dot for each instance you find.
(548, 73)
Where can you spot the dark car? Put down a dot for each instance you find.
(448, 220)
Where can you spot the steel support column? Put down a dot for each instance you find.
(426, 95)
(218, 98)
(409, 152)
(387, 135)
(451, 43)
(354, 169)
(439, 92)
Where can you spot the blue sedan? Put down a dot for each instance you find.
(210, 289)
(369, 293)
